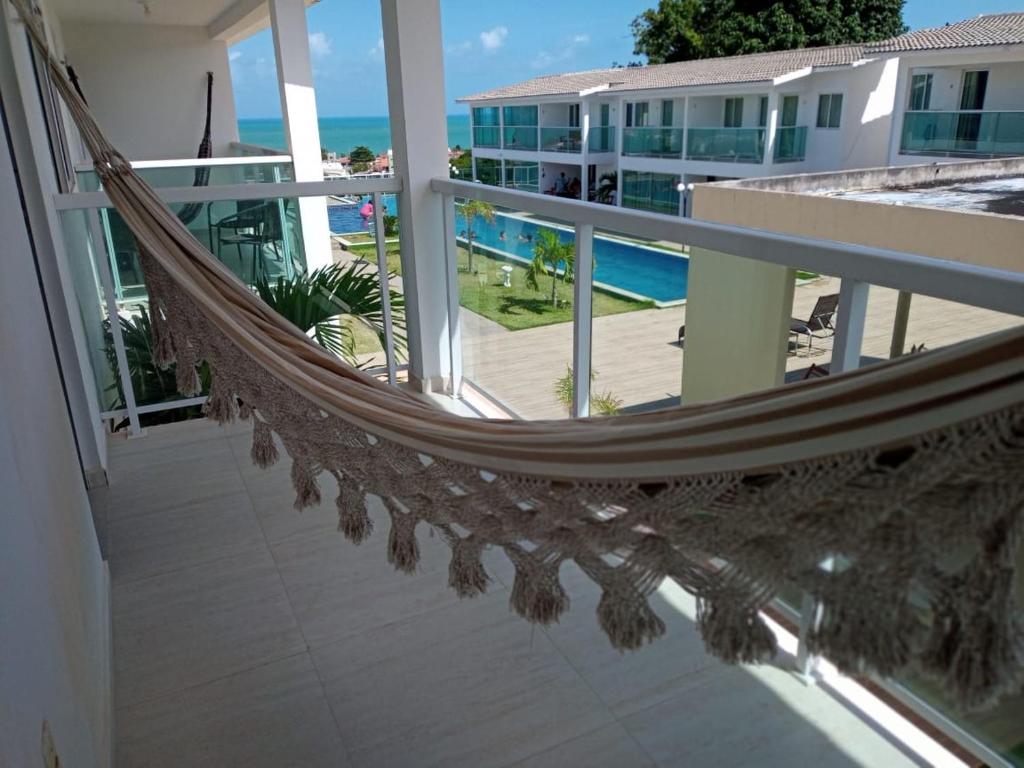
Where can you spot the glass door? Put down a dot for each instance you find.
(972, 99)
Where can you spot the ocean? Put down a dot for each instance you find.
(341, 134)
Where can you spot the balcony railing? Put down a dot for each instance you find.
(561, 139)
(602, 138)
(725, 145)
(652, 142)
(486, 136)
(790, 143)
(520, 137)
(964, 133)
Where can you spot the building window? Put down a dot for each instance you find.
(762, 114)
(790, 106)
(650, 191)
(733, 112)
(486, 132)
(574, 115)
(488, 171)
(521, 116)
(522, 175)
(636, 114)
(830, 108)
(606, 112)
(666, 112)
(973, 94)
(920, 92)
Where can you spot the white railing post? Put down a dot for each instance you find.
(451, 254)
(385, 285)
(104, 257)
(850, 319)
(582, 312)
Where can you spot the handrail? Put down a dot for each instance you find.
(195, 162)
(70, 201)
(987, 287)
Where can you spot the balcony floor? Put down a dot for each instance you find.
(248, 634)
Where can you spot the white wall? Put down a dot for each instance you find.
(146, 85)
(54, 608)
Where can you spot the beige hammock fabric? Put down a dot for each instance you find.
(909, 475)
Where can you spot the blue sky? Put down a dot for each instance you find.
(486, 43)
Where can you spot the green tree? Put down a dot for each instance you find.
(681, 30)
(550, 252)
(464, 165)
(471, 211)
(361, 157)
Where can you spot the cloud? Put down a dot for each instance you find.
(493, 39)
(458, 49)
(545, 59)
(377, 52)
(234, 55)
(319, 45)
(581, 39)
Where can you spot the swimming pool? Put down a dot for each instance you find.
(633, 269)
(345, 218)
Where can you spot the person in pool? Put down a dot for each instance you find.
(501, 235)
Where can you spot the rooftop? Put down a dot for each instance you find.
(1004, 196)
(992, 29)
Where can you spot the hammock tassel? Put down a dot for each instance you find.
(353, 519)
(163, 346)
(220, 405)
(537, 594)
(264, 452)
(185, 376)
(849, 636)
(403, 549)
(244, 410)
(736, 634)
(629, 623)
(466, 574)
(307, 491)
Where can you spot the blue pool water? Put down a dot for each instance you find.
(346, 218)
(643, 271)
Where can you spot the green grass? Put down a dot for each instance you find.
(520, 306)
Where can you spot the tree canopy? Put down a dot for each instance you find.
(680, 30)
(361, 154)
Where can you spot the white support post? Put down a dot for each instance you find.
(302, 133)
(771, 128)
(686, 128)
(414, 60)
(582, 311)
(850, 318)
(584, 148)
(385, 286)
(452, 286)
(619, 126)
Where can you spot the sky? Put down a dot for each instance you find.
(487, 44)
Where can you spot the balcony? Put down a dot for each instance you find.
(602, 138)
(564, 139)
(790, 143)
(520, 137)
(652, 142)
(726, 145)
(486, 136)
(963, 134)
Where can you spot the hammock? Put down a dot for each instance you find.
(188, 212)
(909, 476)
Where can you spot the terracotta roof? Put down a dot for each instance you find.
(752, 68)
(994, 29)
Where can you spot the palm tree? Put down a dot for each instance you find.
(472, 209)
(606, 187)
(317, 303)
(550, 250)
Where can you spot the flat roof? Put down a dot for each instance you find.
(1004, 196)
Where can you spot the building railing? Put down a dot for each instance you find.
(520, 137)
(652, 142)
(245, 149)
(726, 145)
(561, 139)
(790, 143)
(965, 133)
(602, 138)
(486, 136)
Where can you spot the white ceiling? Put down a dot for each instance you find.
(185, 12)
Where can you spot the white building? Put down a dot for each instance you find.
(955, 91)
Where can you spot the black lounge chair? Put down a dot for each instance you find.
(819, 324)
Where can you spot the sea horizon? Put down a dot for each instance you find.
(341, 134)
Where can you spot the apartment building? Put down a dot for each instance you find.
(642, 135)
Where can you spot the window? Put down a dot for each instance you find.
(574, 115)
(733, 112)
(762, 114)
(605, 114)
(920, 92)
(973, 94)
(636, 114)
(790, 105)
(666, 112)
(650, 191)
(485, 115)
(830, 108)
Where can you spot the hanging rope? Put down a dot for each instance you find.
(909, 476)
(190, 211)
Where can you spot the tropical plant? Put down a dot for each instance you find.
(471, 211)
(390, 225)
(607, 186)
(319, 302)
(602, 403)
(550, 252)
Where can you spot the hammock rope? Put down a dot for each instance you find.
(190, 211)
(909, 476)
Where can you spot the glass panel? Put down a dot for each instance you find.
(486, 116)
(521, 115)
(973, 94)
(666, 112)
(762, 117)
(921, 92)
(733, 113)
(835, 110)
(486, 136)
(650, 191)
(790, 143)
(738, 145)
(823, 102)
(641, 112)
(652, 142)
(522, 175)
(950, 133)
(521, 137)
(561, 139)
(488, 171)
(184, 175)
(516, 314)
(574, 115)
(605, 114)
(790, 105)
(602, 138)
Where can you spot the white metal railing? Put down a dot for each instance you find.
(94, 204)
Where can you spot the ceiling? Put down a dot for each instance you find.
(198, 13)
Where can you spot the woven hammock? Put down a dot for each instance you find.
(908, 476)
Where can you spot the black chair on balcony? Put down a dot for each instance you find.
(820, 323)
(255, 226)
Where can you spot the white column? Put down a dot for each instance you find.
(850, 318)
(584, 147)
(298, 108)
(620, 123)
(414, 62)
(583, 288)
(771, 128)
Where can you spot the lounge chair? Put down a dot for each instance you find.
(682, 335)
(819, 324)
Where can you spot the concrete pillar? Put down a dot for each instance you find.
(620, 123)
(771, 128)
(413, 57)
(298, 108)
(584, 147)
(899, 325)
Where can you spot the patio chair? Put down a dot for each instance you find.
(819, 324)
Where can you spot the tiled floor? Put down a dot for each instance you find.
(247, 634)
